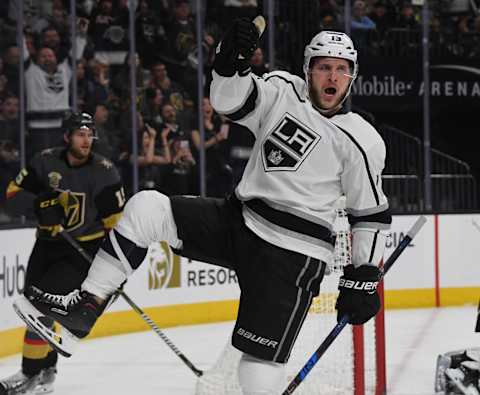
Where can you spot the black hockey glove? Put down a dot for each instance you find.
(49, 211)
(358, 295)
(240, 39)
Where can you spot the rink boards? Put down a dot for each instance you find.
(440, 268)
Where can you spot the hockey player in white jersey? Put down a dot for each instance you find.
(276, 231)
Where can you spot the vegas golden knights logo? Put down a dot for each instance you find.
(54, 179)
(75, 210)
(163, 267)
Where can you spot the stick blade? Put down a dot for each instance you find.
(260, 23)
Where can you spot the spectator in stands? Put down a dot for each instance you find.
(108, 137)
(60, 45)
(151, 35)
(101, 19)
(182, 37)
(3, 81)
(219, 172)
(407, 18)
(84, 87)
(83, 42)
(360, 21)
(463, 24)
(47, 85)
(100, 82)
(11, 58)
(152, 107)
(121, 81)
(53, 14)
(109, 30)
(181, 32)
(9, 147)
(179, 177)
(381, 17)
(257, 63)
(361, 25)
(30, 44)
(172, 93)
(169, 115)
(329, 21)
(9, 120)
(60, 18)
(152, 160)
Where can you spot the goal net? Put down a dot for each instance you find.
(353, 364)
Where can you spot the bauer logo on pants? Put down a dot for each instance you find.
(287, 145)
(256, 338)
(163, 267)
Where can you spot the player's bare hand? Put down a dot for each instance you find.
(223, 133)
(165, 133)
(151, 131)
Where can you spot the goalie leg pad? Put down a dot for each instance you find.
(260, 377)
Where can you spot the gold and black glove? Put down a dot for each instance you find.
(50, 212)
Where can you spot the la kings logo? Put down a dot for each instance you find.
(287, 145)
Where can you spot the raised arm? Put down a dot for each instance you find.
(235, 92)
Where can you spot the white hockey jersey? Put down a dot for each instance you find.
(302, 163)
(47, 95)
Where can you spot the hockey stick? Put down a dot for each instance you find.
(344, 320)
(135, 307)
(477, 326)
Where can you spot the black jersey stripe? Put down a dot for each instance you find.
(288, 82)
(364, 155)
(247, 107)
(134, 254)
(383, 217)
(374, 244)
(290, 221)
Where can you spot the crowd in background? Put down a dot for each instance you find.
(166, 80)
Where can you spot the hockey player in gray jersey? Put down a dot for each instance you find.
(276, 231)
(80, 192)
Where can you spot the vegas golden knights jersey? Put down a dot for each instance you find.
(95, 198)
(302, 163)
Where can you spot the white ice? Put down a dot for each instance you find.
(141, 364)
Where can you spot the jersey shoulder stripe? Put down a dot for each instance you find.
(283, 79)
(247, 107)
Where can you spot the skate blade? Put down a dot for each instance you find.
(64, 343)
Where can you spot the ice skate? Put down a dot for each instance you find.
(76, 313)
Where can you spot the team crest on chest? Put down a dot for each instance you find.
(288, 144)
(75, 210)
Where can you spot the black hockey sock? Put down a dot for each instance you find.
(36, 352)
(134, 254)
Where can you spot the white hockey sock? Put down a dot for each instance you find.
(104, 277)
(260, 377)
(147, 218)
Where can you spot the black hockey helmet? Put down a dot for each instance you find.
(78, 120)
